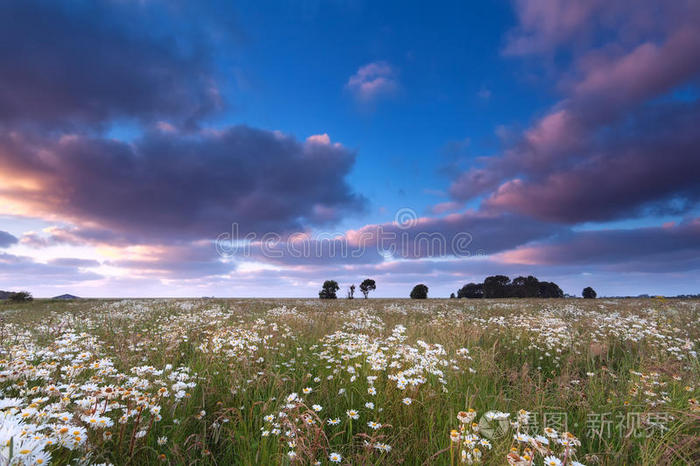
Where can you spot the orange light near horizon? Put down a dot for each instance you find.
(524, 256)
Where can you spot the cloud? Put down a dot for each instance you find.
(444, 207)
(63, 65)
(462, 235)
(197, 259)
(22, 271)
(164, 187)
(74, 262)
(6, 239)
(546, 27)
(373, 80)
(618, 115)
(546, 24)
(665, 248)
(651, 166)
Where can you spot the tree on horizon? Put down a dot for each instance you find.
(329, 289)
(367, 285)
(419, 291)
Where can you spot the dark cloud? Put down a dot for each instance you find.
(84, 62)
(166, 187)
(618, 123)
(650, 165)
(661, 249)
(6, 239)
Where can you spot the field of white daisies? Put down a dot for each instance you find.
(523, 382)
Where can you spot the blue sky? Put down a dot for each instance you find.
(561, 137)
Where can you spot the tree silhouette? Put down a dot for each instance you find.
(419, 291)
(351, 292)
(367, 285)
(550, 290)
(524, 287)
(496, 286)
(500, 286)
(471, 290)
(589, 293)
(329, 289)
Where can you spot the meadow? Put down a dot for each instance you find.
(373, 381)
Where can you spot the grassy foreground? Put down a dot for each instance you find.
(350, 381)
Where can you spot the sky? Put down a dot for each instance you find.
(172, 149)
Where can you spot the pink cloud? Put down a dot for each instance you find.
(443, 207)
(373, 80)
(546, 24)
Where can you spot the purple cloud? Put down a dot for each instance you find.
(6, 239)
(672, 247)
(650, 165)
(168, 186)
(18, 272)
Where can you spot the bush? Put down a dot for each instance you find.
(589, 293)
(21, 297)
(419, 292)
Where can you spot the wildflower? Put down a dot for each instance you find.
(374, 425)
(334, 421)
(523, 417)
(552, 461)
(162, 440)
(386, 448)
(352, 414)
(335, 458)
(407, 401)
(466, 417)
(41, 457)
(317, 408)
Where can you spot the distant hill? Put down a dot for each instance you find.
(66, 296)
(4, 294)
